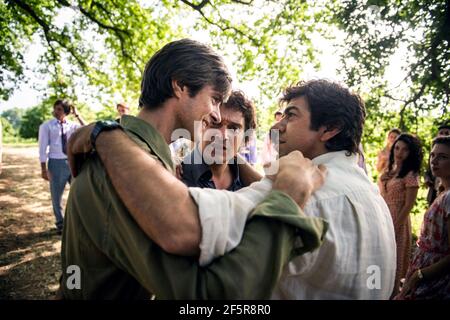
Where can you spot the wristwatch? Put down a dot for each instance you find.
(103, 126)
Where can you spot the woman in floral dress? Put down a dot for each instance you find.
(428, 275)
(399, 186)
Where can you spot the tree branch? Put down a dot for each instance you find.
(197, 7)
(120, 33)
(50, 36)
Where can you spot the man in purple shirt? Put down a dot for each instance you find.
(53, 137)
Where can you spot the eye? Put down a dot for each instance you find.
(217, 100)
(289, 114)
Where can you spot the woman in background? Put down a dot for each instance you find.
(383, 155)
(428, 275)
(399, 186)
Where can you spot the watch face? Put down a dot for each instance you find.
(110, 123)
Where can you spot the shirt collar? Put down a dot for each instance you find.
(150, 136)
(198, 170)
(335, 156)
(60, 122)
(197, 165)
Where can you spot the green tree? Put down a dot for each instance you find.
(375, 30)
(128, 32)
(104, 45)
(32, 119)
(13, 116)
(7, 127)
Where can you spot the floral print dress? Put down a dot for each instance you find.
(432, 246)
(393, 190)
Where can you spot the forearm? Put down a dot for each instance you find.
(437, 270)
(404, 213)
(80, 119)
(159, 202)
(380, 165)
(410, 200)
(222, 228)
(242, 274)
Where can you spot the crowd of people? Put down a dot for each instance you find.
(421, 271)
(197, 220)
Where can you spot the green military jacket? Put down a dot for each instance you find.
(118, 261)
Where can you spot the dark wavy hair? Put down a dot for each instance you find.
(333, 106)
(414, 160)
(191, 64)
(442, 140)
(239, 102)
(444, 126)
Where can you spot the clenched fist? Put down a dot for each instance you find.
(298, 177)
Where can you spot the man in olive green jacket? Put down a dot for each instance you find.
(109, 243)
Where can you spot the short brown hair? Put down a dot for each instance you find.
(191, 63)
(66, 104)
(239, 102)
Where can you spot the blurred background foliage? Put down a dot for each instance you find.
(95, 51)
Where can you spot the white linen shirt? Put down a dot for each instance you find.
(357, 259)
(50, 137)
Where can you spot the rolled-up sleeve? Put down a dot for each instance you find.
(223, 215)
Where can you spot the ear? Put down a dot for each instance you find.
(178, 89)
(328, 133)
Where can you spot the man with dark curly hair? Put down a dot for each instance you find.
(357, 260)
(213, 162)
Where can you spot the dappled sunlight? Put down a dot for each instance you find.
(29, 246)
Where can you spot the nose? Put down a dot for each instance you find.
(225, 133)
(433, 160)
(280, 125)
(215, 114)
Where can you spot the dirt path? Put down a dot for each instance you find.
(29, 245)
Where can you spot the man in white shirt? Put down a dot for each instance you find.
(324, 121)
(53, 137)
(357, 259)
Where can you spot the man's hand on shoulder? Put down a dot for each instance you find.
(78, 148)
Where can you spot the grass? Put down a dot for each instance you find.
(18, 142)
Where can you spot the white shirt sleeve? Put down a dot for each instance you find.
(223, 215)
(43, 142)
